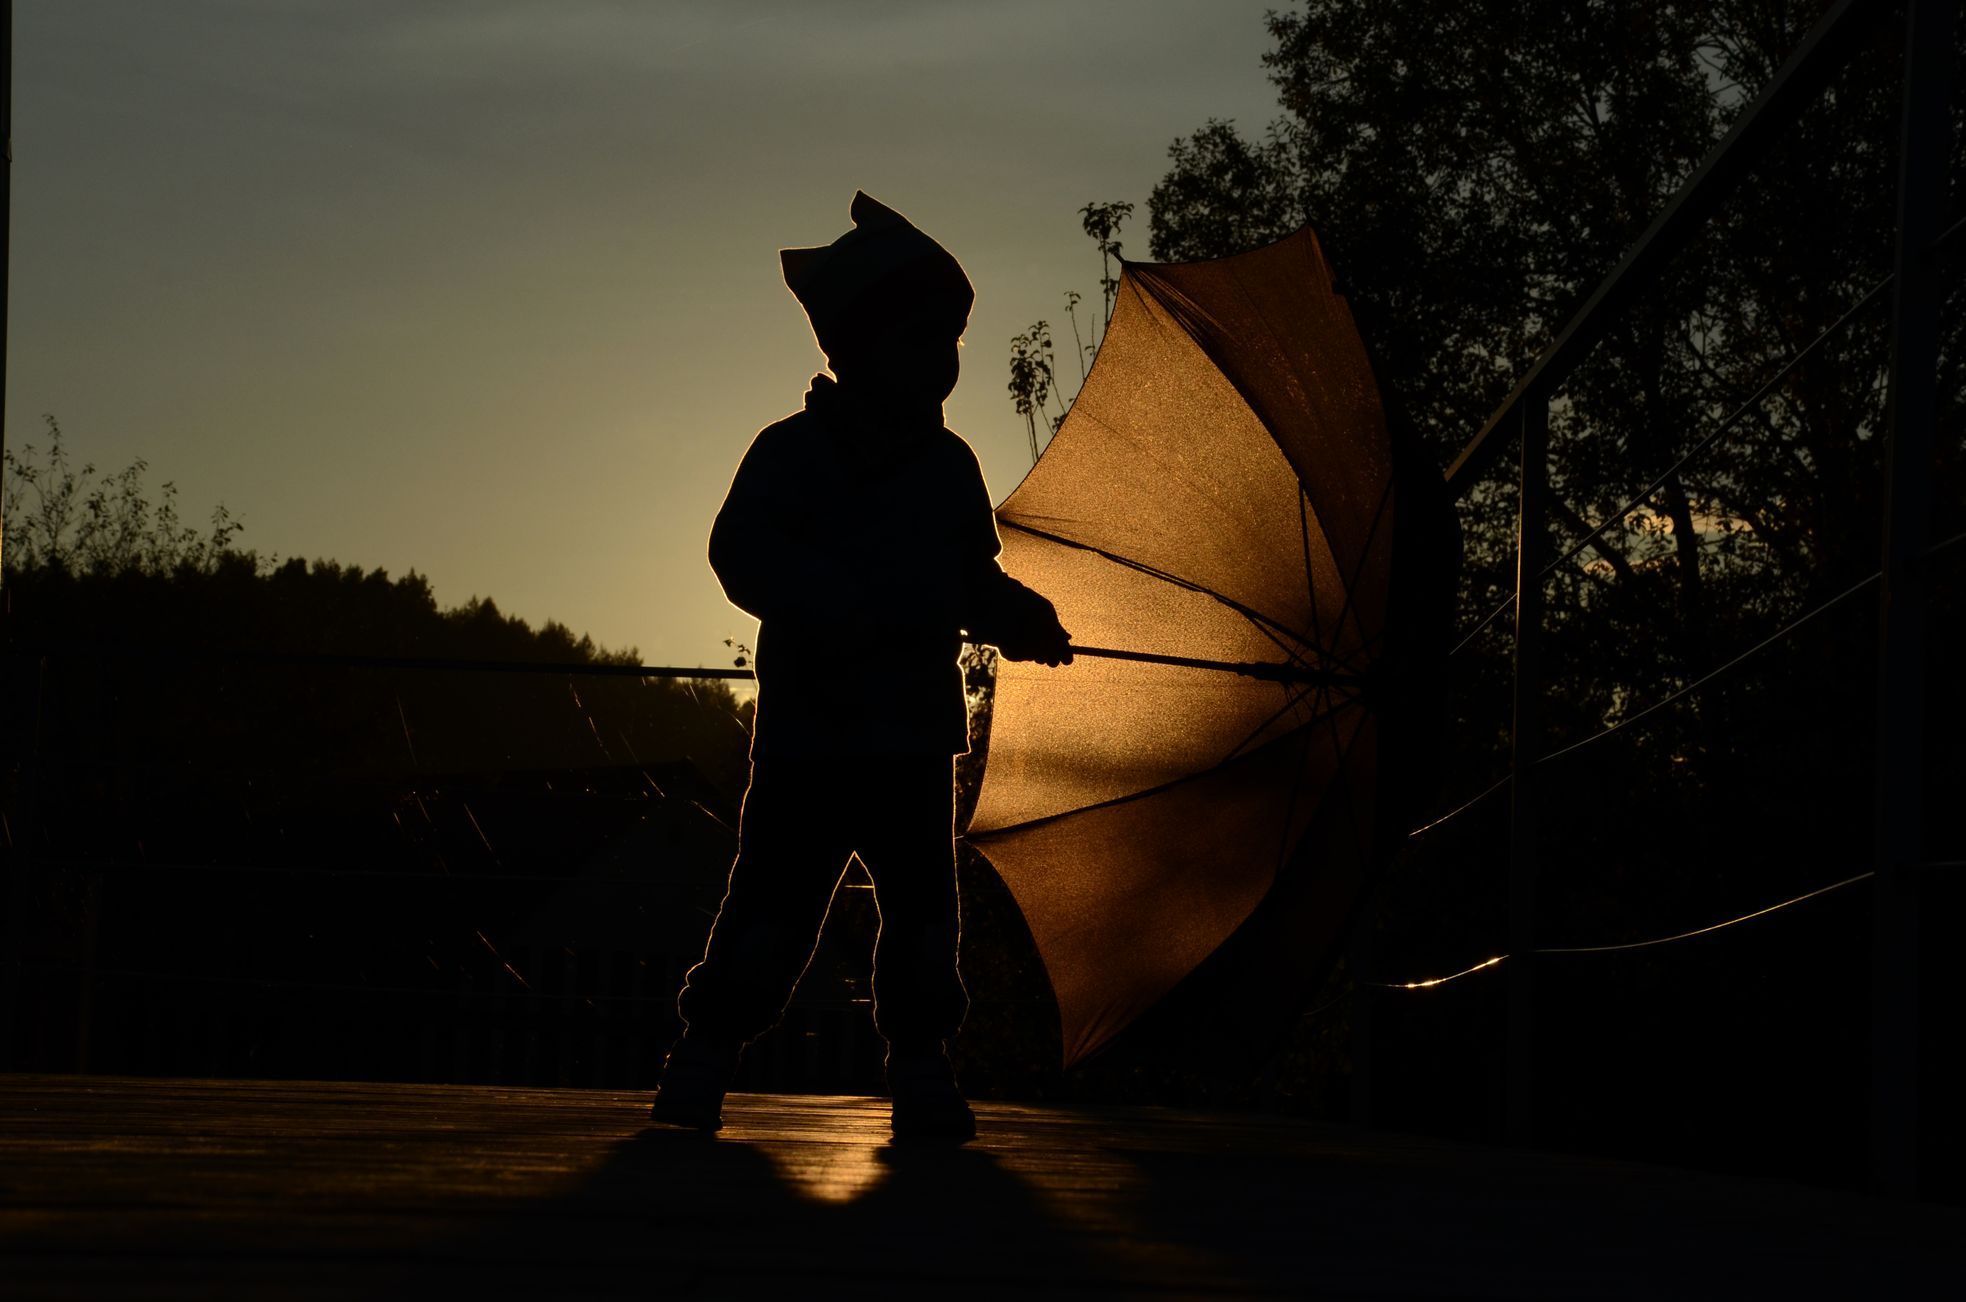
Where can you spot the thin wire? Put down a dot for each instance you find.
(1946, 235)
(1701, 931)
(528, 995)
(161, 866)
(116, 651)
(1431, 982)
(1503, 781)
(1712, 674)
(1490, 963)
(1753, 401)
(1428, 983)
(1940, 546)
(1507, 605)
(1329, 1004)
(1310, 570)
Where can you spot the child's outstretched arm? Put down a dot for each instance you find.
(1020, 623)
(995, 608)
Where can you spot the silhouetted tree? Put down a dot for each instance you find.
(1033, 362)
(1473, 173)
(56, 516)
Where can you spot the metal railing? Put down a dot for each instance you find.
(1901, 579)
(597, 1012)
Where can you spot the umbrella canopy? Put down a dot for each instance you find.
(1223, 499)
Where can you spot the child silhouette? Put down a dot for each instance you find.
(860, 533)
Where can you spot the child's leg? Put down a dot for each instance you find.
(906, 838)
(791, 854)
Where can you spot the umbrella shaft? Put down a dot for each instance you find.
(1280, 673)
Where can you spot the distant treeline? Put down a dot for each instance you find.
(92, 563)
(336, 720)
(212, 858)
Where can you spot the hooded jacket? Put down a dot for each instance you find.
(866, 555)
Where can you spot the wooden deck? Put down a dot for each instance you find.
(119, 1187)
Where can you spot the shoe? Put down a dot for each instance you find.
(695, 1077)
(927, 1105)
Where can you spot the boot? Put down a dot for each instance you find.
(694, 1078)
(927, 1104)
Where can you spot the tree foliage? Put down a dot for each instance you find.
(91, 563)
(1474, 170)
(56, 516)
(1035, 388)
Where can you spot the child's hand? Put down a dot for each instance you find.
(1039, 636)
(1055, 651)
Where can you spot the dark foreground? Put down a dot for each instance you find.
(120, 1187)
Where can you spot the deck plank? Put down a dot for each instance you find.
(143, 1188)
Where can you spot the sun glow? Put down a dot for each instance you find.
(826, 1172)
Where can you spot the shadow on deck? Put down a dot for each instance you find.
(124, 1187)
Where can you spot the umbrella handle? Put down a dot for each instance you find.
(1269, 671)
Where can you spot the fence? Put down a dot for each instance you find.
(1900, 582)
(288, 948)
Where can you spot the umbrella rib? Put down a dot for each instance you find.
(1290, 814)
(1264, 624)
(1341, 751)
(1290, 699)
(1142, 794)
(1217, 494)
(1190, 315)
(1287, 848)
(1310, 574)
(1192, 319)
(1341, 774)
(1320, 689)
(1349, 661)
(1364, 551)
(1290, 811)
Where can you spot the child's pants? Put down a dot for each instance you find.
(801, 821)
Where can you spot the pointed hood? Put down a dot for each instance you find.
(884, 265)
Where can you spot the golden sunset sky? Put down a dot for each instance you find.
(489, 289)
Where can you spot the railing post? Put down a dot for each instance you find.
(1900, 768)
(1526, 746)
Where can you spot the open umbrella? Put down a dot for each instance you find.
(1225, 508)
